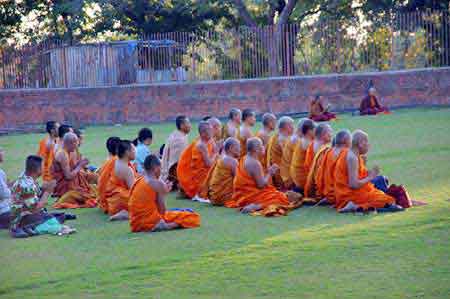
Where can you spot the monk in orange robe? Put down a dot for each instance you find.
(196, 160)
(252, 190)
(288, 153)
(325, 179)
(218, 186)
(319, 111)
(91, 176)
(297, 169)
(72, 188)
(216, 126)
(230, 129)
(112, 145)
(47, 149)
(122, 178)
(370, 105)
(269, 124)
(353, 188)
(245, 130)
(275, 147)
(326, 132)
(147, 208)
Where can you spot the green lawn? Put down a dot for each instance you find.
(312, 253)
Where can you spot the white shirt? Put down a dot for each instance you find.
(5, 194)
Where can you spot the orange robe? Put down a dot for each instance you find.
(192, 170)
(144, 214)
(218, 185)
(365, 197)
(47, 155)
(325, 185)
(274, 155)
(309, 157)
(314, 181)
(243, 142)
(286, 159)
(117, 193)
(297, 170)
(74, 193)
(246, 192)
(106, 169)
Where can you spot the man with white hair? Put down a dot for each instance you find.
(275, 147)
(72, 187)
(353, 187)
(370, 105)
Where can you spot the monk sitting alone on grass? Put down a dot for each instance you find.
(72, 187)
(245, 130)
(353, 188)
(297, 170)
(325, 177)
(230, 129)
(274, 151)
(319, 111)
(47, 149)
(196, 160)
(175, 145)
(123, 176)
(218, 186)
(105, 171)
(252, 190)
(370, 105)
(147, 208)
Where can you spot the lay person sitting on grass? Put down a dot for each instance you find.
(147, 208)
(29, 217)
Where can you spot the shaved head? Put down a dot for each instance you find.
(69, 137)
(285, 121)
(253, 144)
(359, 137)
(322, 129)
(267, 118)
(230, 142)
(343, 137)
(70, 141)
(234, 113)
(203, 127)
(214, 121)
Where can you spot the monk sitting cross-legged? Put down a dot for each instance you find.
(314, 156)
(112, 145)
(269, 124)
(370, 105)
(196, 160)
(286, 159)
(230, 129)
(216, 127)
(72, 187)
(325, 174)
(123, 176)
(353, 188)
(297, 169)
(175, 145)
(319, 112)
(218, 186)
(47, 149)
(245, 130)
(275, 147)
(148, 212)
(252, 190)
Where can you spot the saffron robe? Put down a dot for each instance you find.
(218, 185)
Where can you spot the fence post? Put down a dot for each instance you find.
(64, 67)
(239, 54)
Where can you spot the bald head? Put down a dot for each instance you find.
(285, 121)
(235, 115)
(214, 121)
(268, 118)
(253, 144)
(343, 138)
(229, 143)
(205, 130)
(323, 133)
(372, 91)
(360, 142)
(70, 141)
(69, 137)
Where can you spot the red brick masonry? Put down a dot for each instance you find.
(21, 109)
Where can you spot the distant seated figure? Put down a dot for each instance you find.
(142, 142)
(29, 218)
(319, 111)
(370, 105)
(353, 187)
(252, 190)
(218, 186)
(230, 129)
(176, 143)
(147, 208)
(72, 187)
(47, 149)
(123, 176)
(196, 160)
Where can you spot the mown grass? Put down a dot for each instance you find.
(312, 253)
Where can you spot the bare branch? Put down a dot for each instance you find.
(243, 12)
(287, 11)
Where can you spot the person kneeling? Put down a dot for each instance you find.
(29, 217)
(147, 208)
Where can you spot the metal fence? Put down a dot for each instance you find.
(397, 41)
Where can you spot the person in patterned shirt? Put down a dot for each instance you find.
(29, 216)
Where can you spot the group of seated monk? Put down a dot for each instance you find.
(280, 169)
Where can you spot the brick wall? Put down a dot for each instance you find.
(152, 103)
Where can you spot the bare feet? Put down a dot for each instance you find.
(250, 208)
(120, 216)
(349, 207)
